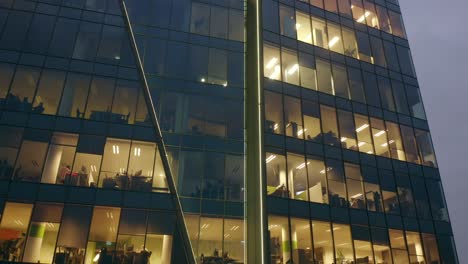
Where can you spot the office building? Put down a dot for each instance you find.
(214, 131)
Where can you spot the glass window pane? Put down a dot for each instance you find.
(270, 15)
(378, 51)
(373, 197)
(15, 222)
(406, 62)
(406, 201)
(140, 167)
(125, 100)
(59, 159)
(323, 243)
(276, 175)
(356, 88)
(358, 11)
(271, 62)
(273, 113)
(379, 134)
(364, 47)
(325, 81)
(384, 20)
(318, 190)
(190, 172)
(87, 41)
(397, 241)
(336, 184)
(74, 96)
(307, 70)
(317, 3)
(49, 91)
(22, 89)
(29, 164)
(287, 22)
(236, 25)
(356, 196)
(304, 32)
(381, 245)
(390, 201)
(334, 35)
(311, 117)
(363, 252)
(297, 177)
(347, 130)
(343, 245)
(234, 239)
(330, 5)
(200, 19)
(211, 237)
(6, 74)
(114, 173)
(415, 102)
(397, 24)
(430, 248)
(100, 100)
(280, 248)
(426, 150)
(43, 231)
(409, 143)
(101, 241)
(301, 236)
(386, 95)
(391, 56)
(293, 119)
(345, 8)
(86, 168)
(319, 33)
(329, 126)
(217, 67)
(363, 134)
(234, 173)
(415, 247)
(219, 22)
(290, 66)
(394, 141)
(349, 41)
(111, 43)
(370, 14)
(340, 81)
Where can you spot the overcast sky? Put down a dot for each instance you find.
(438, 35)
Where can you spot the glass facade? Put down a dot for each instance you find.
(125, 134)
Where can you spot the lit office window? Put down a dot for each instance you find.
(303, 27)
(301, 236)
(14, 226)
(102, 237)
(271, 62)
(318, 188)
(335, 40)
(297, 177)
(59, 161)
(276, 175)
(329, 126)
(363, 134)
(343, 244)
(347, 130)
(290, 66)
(323, 242)
(280, 241)
(43, 232)
(397, 241)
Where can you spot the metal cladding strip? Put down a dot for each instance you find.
(161, 146)
(255, 194)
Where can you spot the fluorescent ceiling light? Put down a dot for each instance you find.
(378, 134)
(272, 63)
(343, 139)
(333, 41)
(361, 19)
(302, 165)
(298, 26)
(361, 144)
(361, 128)
(356, 195)
(293, 69)
(270, 158)
(300, 132)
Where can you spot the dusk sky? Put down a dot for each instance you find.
(438, 35)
